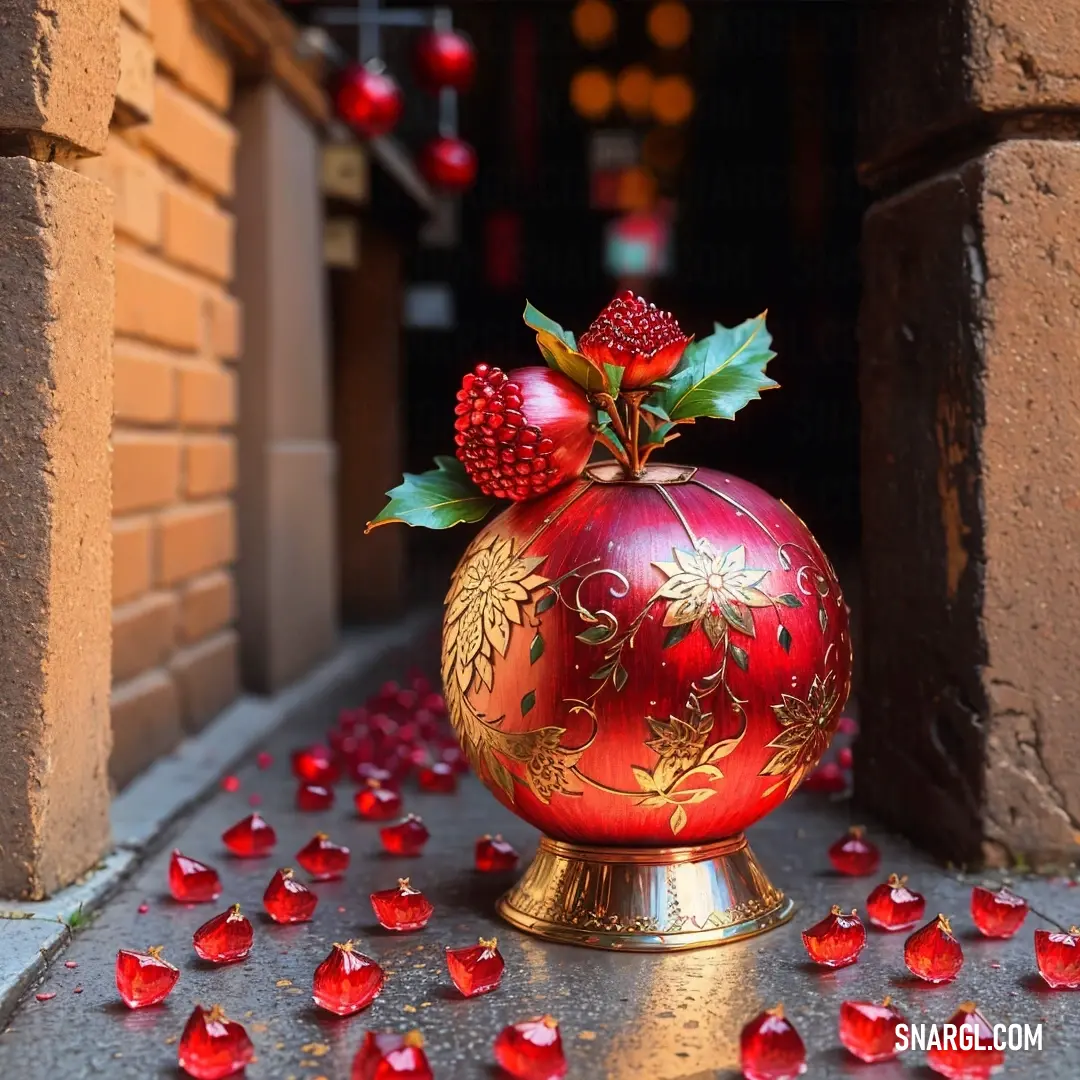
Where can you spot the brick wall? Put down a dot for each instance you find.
(170, 165)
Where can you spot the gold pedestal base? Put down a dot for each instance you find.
(645, 899)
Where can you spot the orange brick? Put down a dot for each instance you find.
(135, 88)
(191, 137)
(194, 539)
(206, 605)
(143, 634)
(144, 384)
(156, 303)
(209, 466)
(145, 724)
(146, 470)
(131, 558)
(136, 183)
(207, 396)
(208, 677)
(197, 234)
(224, 321)
(188, 50)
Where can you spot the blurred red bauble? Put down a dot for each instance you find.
(444, 60)
(368, 100)
(448, 164)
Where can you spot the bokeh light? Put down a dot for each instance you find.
(633, 90)
(669, 24)
(672, 99)
(593, 23)
(592, 93)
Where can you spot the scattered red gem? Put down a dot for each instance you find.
(532, 1049)
(250, 838)
(377, 803)
(770, 1048)
(225, 938)
(827, 779)
(287, 900)
(523, 432)
(254, 799)
(264, 759)
(192, 882)
(314, 797)
(869, 1031)
(346, 981)
(1058, 957)
(893, 906)
(388, 1056)
(367, 772)
(846, 758)
(403, 908)
(70, 964)
(143, 908)
(853, 855)
(932, 953)
(230, 783)
(406, 837)
(47, 996)
(213, 1046)
(437, 779)
(846, 725)
(77, 989)
(997, 914)
(476, 969)
(493, 854)
(144, 978)
(837, 940)
(322, 858)
(315, 765)
(971, 1055)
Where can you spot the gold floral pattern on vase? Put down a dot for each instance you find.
(806, 728)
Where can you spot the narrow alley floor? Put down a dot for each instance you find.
(623, 1016)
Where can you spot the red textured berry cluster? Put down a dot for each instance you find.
(635, 335)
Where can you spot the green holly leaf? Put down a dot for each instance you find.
(540, 322)
(527, 702)
(614, 375)
(441, 497)
(559, 350)
(536, 649)
(719, 374)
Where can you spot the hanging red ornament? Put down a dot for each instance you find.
(192, 882)
(346, 981)
(389, 1056)
(144, 978)
(368, 100)
(854, 855)
(970, 1055)
(932, 953)
(477, 969)
(837, 940)
(1058, 958)
(444, 60)
(449, 164)
(287, 900)
(250, 838)
(869, 1031)
(225, 938)
(323, 859)
(377, 803)
(494, 854)
(893, 906)
(213, 1046)
(770, 1048)
(406, 837)
(532, 1049)
(997, 914)
(403, 908)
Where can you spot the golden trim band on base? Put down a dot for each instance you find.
(645, 899)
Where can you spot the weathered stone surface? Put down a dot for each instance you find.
(59, 65)
(971, 452)
(55, 409)
(941, 70)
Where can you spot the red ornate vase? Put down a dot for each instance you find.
(642, 669)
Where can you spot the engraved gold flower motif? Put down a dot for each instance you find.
(485, 597)
(711, 590)
(805, 731)
(548, 766)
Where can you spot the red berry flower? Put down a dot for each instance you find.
(770, 1048)
(632, 334)
(971, 1055)
(376, 802)
(1058, 958)
(144, 978)
(406, 837)
(893, 906)
(192, 882)
(869, 1031)
(531, 1049)
(997, 914)
(213, 1046)
(225, 938)
(322, 858)
(250, 838)
(438, 779)
(346, 981)
(287, 900)
(476, 969)
(493, 854)
(388, 1056)
(522, 433)
(837, 940)
(401, 909)
(853, 855)
(932, 953)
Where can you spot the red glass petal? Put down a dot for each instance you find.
(225, 938)
(250, 838)
(494, 854)
(323, 859)
(837, 940)
(770, 1048)
(212, 1046)
(854, 855)
(932, 953)
(287, 900)
(532, 1049)
(401, 909)
(406, 837)
(192, 882)
(869, 1031)
(346, 981)
(144, 978)
(997, 914)
(971, 1055)
(388, 1056)
(1058, 957)
(893, 906)
(377, 803)
(477, 969)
